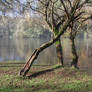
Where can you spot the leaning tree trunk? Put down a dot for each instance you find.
(74, 53)
(59, 52)
(35, 54)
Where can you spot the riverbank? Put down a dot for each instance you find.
(44, 79)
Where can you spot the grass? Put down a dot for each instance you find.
(45, 79)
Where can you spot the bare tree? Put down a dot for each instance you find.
(75, 28)
(68, 17)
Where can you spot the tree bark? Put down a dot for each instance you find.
(74, 53)
(59, 52)
(35, 54)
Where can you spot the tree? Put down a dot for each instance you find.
(68, 18)
(75, 28)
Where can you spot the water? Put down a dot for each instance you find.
(20, 49)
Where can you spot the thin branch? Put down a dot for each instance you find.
(70, 3)
(66, 10)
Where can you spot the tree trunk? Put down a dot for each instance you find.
(59, 52)
(35, 54)
(74, 54)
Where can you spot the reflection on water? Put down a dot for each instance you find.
(84, 50)
(20, 49)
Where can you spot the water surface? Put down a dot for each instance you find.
(20, 49)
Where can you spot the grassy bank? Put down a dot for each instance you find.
(44, 79)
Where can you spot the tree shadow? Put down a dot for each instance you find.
(44, 71)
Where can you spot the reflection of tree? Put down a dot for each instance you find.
(24, 48)
(46, 57)
(23, 45)
(20, 46)
(6, 49)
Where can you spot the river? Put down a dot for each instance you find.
(20, 49)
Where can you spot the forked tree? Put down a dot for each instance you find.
(69, 16)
